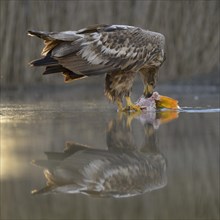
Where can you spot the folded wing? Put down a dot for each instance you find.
(100, 49)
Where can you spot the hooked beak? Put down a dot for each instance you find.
(148, 91)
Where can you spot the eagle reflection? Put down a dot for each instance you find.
(127, 168)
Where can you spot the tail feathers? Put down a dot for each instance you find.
(68, 75)
(54, 69)
(44, 61)
(52, 66)
(41, 34)
(71, 76)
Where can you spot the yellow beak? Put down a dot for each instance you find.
(148, 91)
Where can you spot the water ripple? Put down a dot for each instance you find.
(199, 110)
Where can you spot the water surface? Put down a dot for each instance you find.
(82, 160)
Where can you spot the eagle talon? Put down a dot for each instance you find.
(132, 108)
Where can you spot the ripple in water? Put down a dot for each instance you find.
(199, 110)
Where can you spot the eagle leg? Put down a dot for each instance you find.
(130, 106)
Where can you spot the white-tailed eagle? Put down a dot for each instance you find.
(119, 51)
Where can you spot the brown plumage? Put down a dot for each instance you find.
(119, 51)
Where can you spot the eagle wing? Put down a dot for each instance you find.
(103, 48)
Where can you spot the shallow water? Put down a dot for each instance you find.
(83, 160)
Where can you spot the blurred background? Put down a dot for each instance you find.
(191, 29)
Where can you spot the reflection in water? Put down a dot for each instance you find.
(125, 169)
(190, 145)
